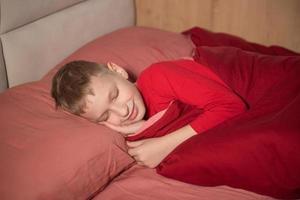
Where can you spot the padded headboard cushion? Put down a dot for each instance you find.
(15, 13)
(36, 35)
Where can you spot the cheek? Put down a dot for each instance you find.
(142, 111)
(141, 107)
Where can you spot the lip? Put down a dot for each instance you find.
(133, 113)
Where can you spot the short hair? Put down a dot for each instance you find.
(71, 84)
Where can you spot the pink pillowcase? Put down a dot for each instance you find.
(49, 154)
(134, 49)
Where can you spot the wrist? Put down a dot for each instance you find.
(183, 133)
(177, 137)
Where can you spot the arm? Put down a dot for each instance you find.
(168, 82)
(216, 99)
(193, 84)
(150, 152)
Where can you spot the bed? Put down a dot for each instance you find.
(50, 154)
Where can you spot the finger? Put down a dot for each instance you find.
(132, 152)
(140, 163)
(134, 144)
(137, 160)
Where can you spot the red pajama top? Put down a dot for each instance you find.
(192, 84)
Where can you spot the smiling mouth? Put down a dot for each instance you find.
(133, 113)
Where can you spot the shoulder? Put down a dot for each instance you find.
(154, 72)
(165, 68)
(167, 72)
(172, 65)
(160, 77)
(160, 67)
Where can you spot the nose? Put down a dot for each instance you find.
(120, 109)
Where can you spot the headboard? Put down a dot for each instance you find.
(36, 35)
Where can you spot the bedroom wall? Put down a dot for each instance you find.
(263, 21)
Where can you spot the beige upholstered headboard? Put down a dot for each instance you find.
(37, 34)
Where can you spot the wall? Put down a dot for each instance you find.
(263, 21)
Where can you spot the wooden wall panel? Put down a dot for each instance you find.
(263, 21)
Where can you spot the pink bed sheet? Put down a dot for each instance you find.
(139, 183)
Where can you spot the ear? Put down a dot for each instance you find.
(118, 69)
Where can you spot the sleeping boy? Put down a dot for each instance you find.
(103, 94)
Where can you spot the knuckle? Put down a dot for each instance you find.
(129, 152)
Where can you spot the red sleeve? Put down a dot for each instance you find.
(180, 81)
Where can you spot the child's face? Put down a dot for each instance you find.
(116, 101)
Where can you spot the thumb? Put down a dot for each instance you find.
(134, 144)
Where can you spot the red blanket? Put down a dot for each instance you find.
(202, 37)
(258, 150)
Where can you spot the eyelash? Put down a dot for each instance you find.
(106, 118)
(113, 99)
(116, 96)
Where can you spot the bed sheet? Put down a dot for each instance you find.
(140, 183)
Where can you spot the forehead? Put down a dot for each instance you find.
(101, 82)
(97, 103)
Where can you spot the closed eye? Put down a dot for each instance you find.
(106, 117)
(115, 94)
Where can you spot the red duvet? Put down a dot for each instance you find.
(258, 150)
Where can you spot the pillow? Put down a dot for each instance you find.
(202, 37)
(257, 150)
(50, 154)
(133, 48)
(46, 154)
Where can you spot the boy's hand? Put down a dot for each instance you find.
(127, 129)
(150, 152)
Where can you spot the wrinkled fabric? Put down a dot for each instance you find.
(192, 84)
(203, 37)
(257, 150)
